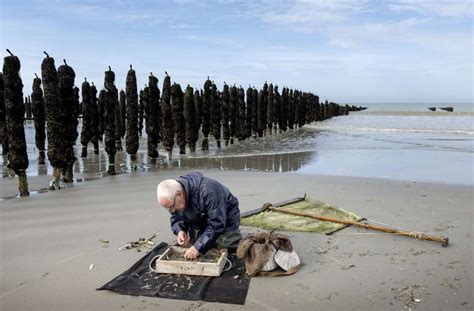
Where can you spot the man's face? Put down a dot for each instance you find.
(177, 204)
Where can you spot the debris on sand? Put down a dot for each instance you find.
(193, 306)
(417, 252)
(105, 243)
(143, 245)
(410, 295)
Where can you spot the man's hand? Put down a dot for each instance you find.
(192, 253)
(182, 238)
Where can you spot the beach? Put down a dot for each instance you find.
(50, 240)
(358, 110)
(404, 169)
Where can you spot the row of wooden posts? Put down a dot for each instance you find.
(169, 116)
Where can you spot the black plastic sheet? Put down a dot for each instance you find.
(231, 287)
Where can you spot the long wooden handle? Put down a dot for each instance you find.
(413, 234)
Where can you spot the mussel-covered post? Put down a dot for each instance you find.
(283, 116)
(309, 103)
(206, 114)
(101, 114)
(54, 122)
(260, 112)
(76, 113)
(254, 112)
(131, 138)
(248, 112)
(297, 107)
(190, 117)
(264, 107)
(67, 101)
(276, 109)
(86, 132)
(94, 118)
(167, 117)
(3, 124)
(123, 115)
(325, 110)
(240, 129)
(198, 105)
(17, 156)
(216, 114)
(291, 109)
(301, 109)
(153, 116)
(119, 126)
(146, 106)
(111, 102)
(233, 109)
(177, 105)
(270, 105)
(37, 102)
(225, 114)
(140, 112)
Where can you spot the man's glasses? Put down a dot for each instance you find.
(172, 209)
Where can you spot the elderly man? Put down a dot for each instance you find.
(203, 212)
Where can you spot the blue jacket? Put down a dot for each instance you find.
(210, 210)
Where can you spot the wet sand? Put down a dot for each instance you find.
(417, 148)
(48, 242)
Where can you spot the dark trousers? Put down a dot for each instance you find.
(229, 240)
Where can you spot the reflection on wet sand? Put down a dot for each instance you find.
(287, 162)
(283, 152)
(95, 166)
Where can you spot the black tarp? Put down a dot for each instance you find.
(231, 287)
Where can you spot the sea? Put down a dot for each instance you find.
(391, 141)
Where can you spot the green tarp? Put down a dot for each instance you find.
(279, 221)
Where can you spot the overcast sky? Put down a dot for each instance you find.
(344, 51)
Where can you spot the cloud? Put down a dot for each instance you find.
(190, 37)
(375, 31)
(441, 8)
(365, 27)
(308, 15)
(342, 50)
(117, 12)
(182, 26)
(342, 43)
(222, 41)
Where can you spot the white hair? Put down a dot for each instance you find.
(168, 189)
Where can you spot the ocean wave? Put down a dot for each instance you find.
(392, 130)
(415, 113)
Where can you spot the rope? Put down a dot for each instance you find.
(230, 265)
(151, 263)
(414, 234)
